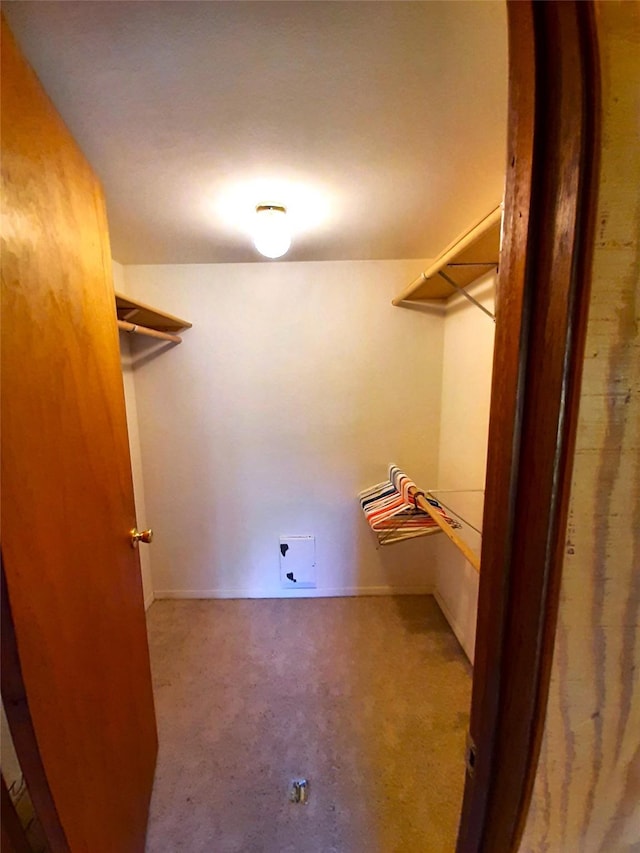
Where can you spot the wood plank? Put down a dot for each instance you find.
(146, 315)
(469, 256)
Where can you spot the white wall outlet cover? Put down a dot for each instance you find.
(298, 562)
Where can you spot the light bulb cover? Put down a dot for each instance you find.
(271, 236)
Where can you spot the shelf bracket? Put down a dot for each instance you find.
(466, 295)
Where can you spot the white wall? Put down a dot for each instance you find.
(134, 443)
(296, 387)
(464, 424)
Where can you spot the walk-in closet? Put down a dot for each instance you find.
(295, 405)
(307, 427)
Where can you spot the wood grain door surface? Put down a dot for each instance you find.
(73, 580)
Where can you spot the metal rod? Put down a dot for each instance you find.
(473, 264)
(391, 531)
(467, 295)
(453, 491)
(457, 514)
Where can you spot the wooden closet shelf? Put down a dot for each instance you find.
(472, 254)
(131, 311)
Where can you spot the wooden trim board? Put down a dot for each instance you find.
(543, 293)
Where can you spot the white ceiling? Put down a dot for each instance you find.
(380, 125)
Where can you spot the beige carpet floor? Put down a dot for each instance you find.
(368, 698)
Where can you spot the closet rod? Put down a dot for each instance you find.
(466, 295)
(453, 251)
(425, 506)
(150, 333)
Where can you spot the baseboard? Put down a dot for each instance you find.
(454, 625)
(337, 592)
(149, 601)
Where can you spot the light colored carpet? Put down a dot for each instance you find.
(368, 698)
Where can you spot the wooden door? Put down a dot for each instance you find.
(85, 724)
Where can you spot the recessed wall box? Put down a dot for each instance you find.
(298, 562)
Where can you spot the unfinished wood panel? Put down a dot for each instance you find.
(587, 789)
(81, 707)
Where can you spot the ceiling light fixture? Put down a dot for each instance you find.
(271, 235)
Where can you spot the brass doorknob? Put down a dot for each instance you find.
(141, 536)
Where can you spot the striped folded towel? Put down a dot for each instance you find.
(391, 510)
